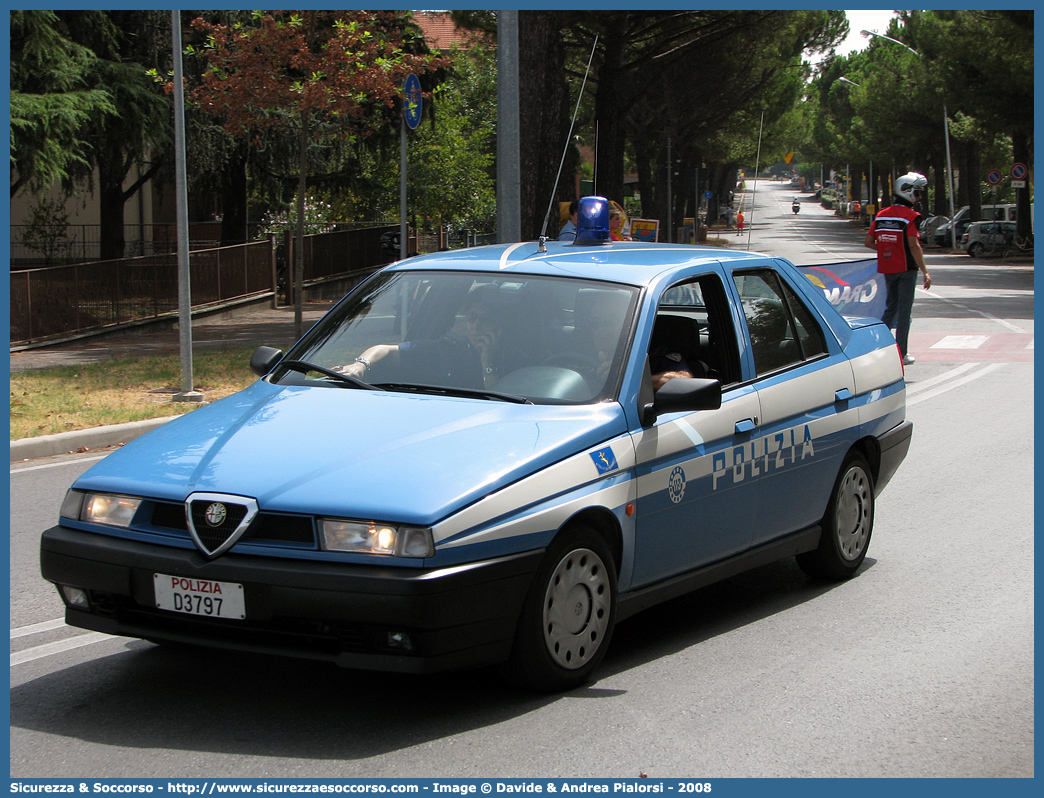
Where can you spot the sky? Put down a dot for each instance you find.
(876, 21)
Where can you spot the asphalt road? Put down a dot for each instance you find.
(922, 666)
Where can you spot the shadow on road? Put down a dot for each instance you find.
(159, 697)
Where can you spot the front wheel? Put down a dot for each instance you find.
(847, 525)
(568, 616)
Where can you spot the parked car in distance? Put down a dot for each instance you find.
(961, 219)
(928, 227)
(493, 455)
(983, 238)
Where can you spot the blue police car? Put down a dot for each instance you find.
(493, 455)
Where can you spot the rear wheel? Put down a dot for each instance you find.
(847, 525)
(568, 616)
(975, 250)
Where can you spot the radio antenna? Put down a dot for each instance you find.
(569, 138)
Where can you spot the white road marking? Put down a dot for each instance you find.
(917, 387)
(956, 304)
(949, 386)
(961, 342)
(39, 652)
(57, 647)
(37, 628)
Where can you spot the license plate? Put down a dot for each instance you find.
(199, 596)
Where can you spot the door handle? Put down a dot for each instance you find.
(746, 425)
(842, 395)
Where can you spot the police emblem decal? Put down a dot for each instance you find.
(676, 484)
(216, 514)
(605, 460)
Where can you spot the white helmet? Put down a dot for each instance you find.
(909, 185)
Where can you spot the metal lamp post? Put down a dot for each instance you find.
(187, 392)
(870, 187)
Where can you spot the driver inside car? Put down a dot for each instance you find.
(473, 362)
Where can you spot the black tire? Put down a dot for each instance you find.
(568, 616)
(975, 250)
(847, 525)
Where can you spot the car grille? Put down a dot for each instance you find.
(214, 536)
(297, 530)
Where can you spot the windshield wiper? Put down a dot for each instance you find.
(441, 390)
(347, 380)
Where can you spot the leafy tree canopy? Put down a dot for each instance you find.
(53, 100)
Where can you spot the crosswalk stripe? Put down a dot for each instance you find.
(961, 342)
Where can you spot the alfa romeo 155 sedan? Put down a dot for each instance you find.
(493, 455)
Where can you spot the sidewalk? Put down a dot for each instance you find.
(244, 327)
(252, 326)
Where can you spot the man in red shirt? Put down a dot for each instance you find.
(895, 238)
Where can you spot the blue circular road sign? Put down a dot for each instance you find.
(994, 177)
(1018, 171)
(412, 101)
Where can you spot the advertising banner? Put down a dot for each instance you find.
(853, 287)
(645, 229)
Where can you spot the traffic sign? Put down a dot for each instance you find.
(994, 177)
(412, 101)
(1019, 171)
(708, 194)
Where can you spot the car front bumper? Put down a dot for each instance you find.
(358, 616)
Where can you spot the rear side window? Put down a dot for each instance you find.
(783, 331)
(809, 334)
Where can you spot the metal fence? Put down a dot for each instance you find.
(57, 301)
(335, 254)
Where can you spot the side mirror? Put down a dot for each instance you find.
(263, 359)
(683, 394)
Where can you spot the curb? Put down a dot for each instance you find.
(96, 438)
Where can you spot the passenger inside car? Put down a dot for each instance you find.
(598, 323)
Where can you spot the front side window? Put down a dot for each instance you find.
(783, 331)
(517, 338)
(694, 333)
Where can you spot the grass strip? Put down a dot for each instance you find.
(119, 390)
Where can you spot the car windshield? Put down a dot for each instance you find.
(519, 338)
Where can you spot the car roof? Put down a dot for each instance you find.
(631, 262)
